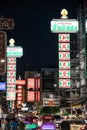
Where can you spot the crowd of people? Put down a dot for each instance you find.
(31, 123)
(8, 124)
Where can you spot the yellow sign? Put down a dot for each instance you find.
(77, 106)
(75, 127)
(64, 13)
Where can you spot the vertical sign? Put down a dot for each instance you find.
(64, 61)
(37, 89)
(20, 92)
(64, 27)
(31, 90)
(19, 96)
(11, 79)
(11, 69)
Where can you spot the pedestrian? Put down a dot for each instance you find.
(7, 124)
(65, 125)
(13, 124)
(3, 124)
(21, 125)
(39, 122)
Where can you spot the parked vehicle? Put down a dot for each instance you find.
(84, 126)
(75, 124)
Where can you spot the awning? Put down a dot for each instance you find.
(76, 106)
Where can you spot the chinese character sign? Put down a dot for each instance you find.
(64, 60)
(11, 79)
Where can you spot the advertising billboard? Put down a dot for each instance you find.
(31, 83)
(14, 51)
(64, 46)
(37, 83)
(11, 79)
(30, 96)
(64, 65)
(64, 55)
(50, 102)
(37, 96)
(64, 83)
(64, 26)
(2, 85)
(64, 60)
(19, 81)
(64, 73)
(19, 95)
(86, 25)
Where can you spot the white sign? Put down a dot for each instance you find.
(14, 51)
(50, 102)
(24, 108)
(64, 26)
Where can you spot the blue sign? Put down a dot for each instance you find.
(2, 86)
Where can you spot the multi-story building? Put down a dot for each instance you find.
(78, 90)
(49, 85)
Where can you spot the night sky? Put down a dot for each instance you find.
(32, 29)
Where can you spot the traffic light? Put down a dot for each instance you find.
(3, 44)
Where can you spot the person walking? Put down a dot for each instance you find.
(7, 124)
(3, 124)
(21, 125)
(13, 124)
(65, 125)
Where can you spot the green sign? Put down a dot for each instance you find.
(64, 26)
(31, 126)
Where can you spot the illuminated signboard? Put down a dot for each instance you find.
(37, 96)
(64, 83)
(50, 102)
(19, 95)
(64, 73)
(2, 86)
(86, 25)
(6, 24)
(14, 51)
(11, 79)
(64, 64)
(31, 83)
(30, 96)
(20, 82)
(48, 126)
(10, 95)
(64, 55)
(64, 46)
(64, 26)
(11, 88)
(37, 83)
(64, 38)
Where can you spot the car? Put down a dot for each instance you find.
(84, 126)
(75, 124)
